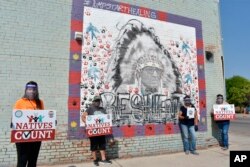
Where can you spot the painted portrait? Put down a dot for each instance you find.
(141, 67)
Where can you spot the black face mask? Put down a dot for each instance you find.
(219, 100)
(97, 103)
(187, 101)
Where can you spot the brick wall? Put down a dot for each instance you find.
(35, 44)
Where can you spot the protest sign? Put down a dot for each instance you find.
(33, 125)
(224, 112)
(98, 125)
(190, 112)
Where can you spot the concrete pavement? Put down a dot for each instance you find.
(208, 157)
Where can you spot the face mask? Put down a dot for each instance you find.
(30, 93)
(187, 101)
(219, 101)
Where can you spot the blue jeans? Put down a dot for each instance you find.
(224, 126)
(188, 131)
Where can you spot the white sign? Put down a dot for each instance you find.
(98, 125)
(33, 125)
(190, 112)
(224, 112)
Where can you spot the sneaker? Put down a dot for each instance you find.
(105, 162)
(186, 152)
(96, 162)
(194, 153)
(224, 148)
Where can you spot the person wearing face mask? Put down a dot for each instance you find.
(223, 125)
(97, 143)
(188, 126)
(27, 152)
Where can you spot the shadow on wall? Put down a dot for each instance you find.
(215, 131)
(112, 147)
(182, 136)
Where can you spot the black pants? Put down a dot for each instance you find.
(27, 153)
(97, 143)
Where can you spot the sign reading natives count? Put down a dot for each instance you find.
(224, 112)
(33, 125)
(98, 125)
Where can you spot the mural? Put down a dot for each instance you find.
(142, 62)
(138, 65)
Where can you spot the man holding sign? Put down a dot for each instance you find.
(223, 113)
(97, 134)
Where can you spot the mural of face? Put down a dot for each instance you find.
(150, 77)
(144, 64)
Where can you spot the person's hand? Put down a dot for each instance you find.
(111, 142)
(212, 114)
(196, 128)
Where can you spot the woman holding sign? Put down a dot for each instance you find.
(27, 152)
(188, 120)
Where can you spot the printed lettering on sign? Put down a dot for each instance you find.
(224, 112)
(98, 125)
(33, 125)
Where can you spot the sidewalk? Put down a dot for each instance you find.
(209, 157)
(242, 115)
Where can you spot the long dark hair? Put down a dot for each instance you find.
(36, 98)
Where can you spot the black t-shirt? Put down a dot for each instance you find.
(95, 110)
(189, 122)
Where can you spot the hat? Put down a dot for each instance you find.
(97, 98)
(187, 98)
(219, 96)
